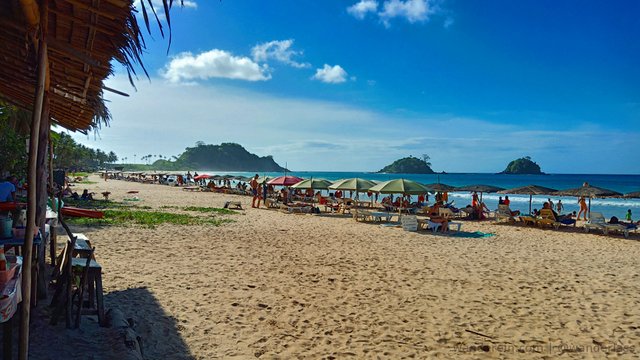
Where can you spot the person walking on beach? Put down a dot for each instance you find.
(254, 190)
(583, 208)
(559, 207)
(551, 206)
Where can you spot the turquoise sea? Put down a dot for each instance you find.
(609, 206)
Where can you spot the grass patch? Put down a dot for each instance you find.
(78, 174)
(169, 207)
(209, 210)
(148, 219)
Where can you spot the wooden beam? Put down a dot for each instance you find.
(40, 98)
(68, 50)
(31, 12)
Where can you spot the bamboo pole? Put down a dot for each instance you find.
(23, 352)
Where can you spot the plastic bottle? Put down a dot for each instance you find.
(3, 260)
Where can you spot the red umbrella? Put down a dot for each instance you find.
(200, 177)
(284, 180)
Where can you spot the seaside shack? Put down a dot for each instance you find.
(54, 58)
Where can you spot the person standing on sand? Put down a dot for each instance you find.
(559, 207)
(254, 190)
(550, 204)
(583, 208)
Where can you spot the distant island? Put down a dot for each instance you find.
(226, 156)
(523, 166)
(409, 165)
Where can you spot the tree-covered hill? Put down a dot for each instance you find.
(226, 156)
(522, 166)
(409, 165)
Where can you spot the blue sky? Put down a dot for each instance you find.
(354, 85)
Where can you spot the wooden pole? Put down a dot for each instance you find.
(42, 166)
(23, 352)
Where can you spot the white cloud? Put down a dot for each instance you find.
(310, 134)
(448, 22)
(279, 50)
(331, 74)
(214, 64)
(190, 4)
(360, 9)
(412, 10)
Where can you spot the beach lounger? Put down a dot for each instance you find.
(363, 215)
(429, 225)
(596, 222)
(504, 213)
(409, 222)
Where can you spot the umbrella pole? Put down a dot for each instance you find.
(530, 200)
(589, 209)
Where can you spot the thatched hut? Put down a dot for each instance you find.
(54, 58)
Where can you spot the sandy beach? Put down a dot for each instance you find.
(277, 285)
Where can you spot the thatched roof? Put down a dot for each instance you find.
(480, 188)
(588, 191)
(529, 190)
(83, 38)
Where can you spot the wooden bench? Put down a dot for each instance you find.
(94, 305)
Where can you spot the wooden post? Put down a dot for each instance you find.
(42, 166)
(23, 353)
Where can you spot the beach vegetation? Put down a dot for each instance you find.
(221, 211)
(149, 219)
(409, 165)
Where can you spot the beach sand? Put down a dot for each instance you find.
(277, 285)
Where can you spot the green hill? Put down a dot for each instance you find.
(408, 165)
(523, 166)
(226, 156)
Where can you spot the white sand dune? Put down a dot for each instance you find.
(277, 285)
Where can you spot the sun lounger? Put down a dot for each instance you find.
(429, 225)
(596, 222)
(409, 222)
(504, 213)
(362, 215)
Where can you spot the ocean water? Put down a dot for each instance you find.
(608, 206)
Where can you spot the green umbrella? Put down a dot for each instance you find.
(400, 186)
(353, 184)
(315, 184)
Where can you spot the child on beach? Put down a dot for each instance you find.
(628, 216)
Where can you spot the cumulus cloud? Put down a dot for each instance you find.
(214, 64)
(279, 50)
(331, 74)
(360, 9)
(412, 10)
(190, 4)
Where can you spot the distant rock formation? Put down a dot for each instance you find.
(226, 157)
(408, 165)
(523, 166)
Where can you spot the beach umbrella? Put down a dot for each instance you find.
(589, 192)
(284, 180)
(400, 186)
(242, 178)
(202, 177)
(228, 177)
(635, 194)
(529, 190)
(353, 184)
(439, 187)
(262, 179)
(480, 188)
(314, 184)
